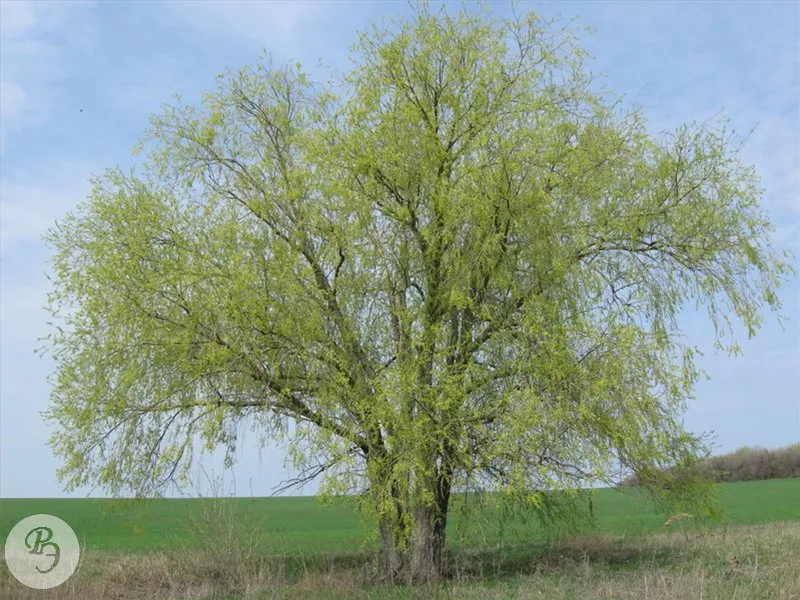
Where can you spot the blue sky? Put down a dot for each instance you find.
(118, 62)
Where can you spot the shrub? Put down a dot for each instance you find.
(745, 464)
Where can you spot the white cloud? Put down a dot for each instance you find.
(256, 21)
(33, 36)
(12, 99)
(21, 313)
(736, 58)
(29, 205)
(17, 17)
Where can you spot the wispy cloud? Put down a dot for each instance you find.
(266, 23)
(741, 59)
(33, 39)
(30, 204)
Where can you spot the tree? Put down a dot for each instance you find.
(463, 274)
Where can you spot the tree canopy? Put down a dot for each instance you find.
(464, 272)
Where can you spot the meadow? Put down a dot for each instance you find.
(291, 547)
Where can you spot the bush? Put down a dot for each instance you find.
(745, 464)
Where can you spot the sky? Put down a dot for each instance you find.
(78, 81)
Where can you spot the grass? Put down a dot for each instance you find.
(302, 525)
(759, 562)
(293, 547)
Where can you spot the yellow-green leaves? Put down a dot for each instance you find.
(464, 274)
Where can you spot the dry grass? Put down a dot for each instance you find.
(755, 562)
(676, 518)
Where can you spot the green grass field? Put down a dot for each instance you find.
(302, 524)
(235, 548)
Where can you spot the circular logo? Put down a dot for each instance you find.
(42, 551)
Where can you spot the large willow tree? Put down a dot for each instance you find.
(464, 272)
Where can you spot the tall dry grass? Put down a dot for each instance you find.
(754, 562)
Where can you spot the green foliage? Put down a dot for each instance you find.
(463, 275)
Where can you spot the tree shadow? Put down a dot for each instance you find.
(597, 551)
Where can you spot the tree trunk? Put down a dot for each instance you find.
(393, 559)
(422, 558)
(427, 545)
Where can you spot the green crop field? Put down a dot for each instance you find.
(302, 524)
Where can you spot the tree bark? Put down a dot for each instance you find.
(422, 559)
(393, 559)
(427, 545)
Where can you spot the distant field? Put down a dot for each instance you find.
(301, 525)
